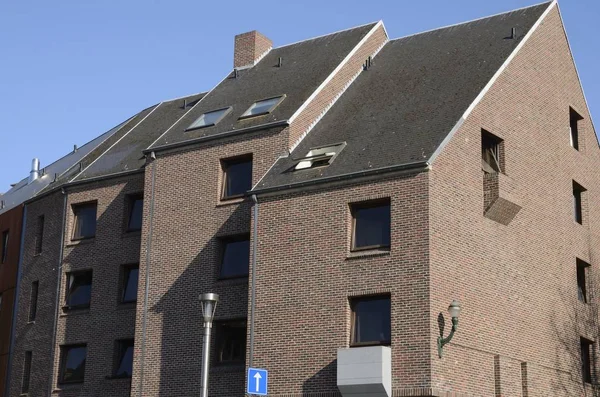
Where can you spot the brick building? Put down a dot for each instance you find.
(337, 193)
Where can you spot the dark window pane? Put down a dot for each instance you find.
(238, 178)
(85, 221)
(372, 320)
(574, 119)
(39, 238)
(125, 362)
(135, 214)
(79, 289)
(4, 246)
(26, 372)
(586, 363)
(581, 281)
(33, 300)
(577, 203)
(231, 346)
(372, 226)
(236, 254)
(130, 284)
(73, 363)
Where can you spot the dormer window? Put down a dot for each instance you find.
(263, 107)
(209, 119)
(319, 157)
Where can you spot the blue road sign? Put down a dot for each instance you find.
(257, 381)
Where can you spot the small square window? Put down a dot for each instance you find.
(582, 269)
(33, 299)
(237, 176)
(135, 208)
(574, 121)
(371, 321)
(209, 119)
(587, 352)
(577, 202)
(235, 256)
(26, 373)
(231, 342)
(4, 256)
(129, 287)
(371, 225)
(39, 235)
(491, 156)
(79, 290)
(85, 221)
(72, 368)
(265, 106)
(124, 358)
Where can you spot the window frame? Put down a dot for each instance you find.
(578, 192)
(120, 354)
(221, 340)
(33, 301)
(39, 237)
(231, 239)
(587, 353)
(227, 110)
(125, 271)
(574, 136)
(582, 280)
(246, 114)
(353, 314)
(64, 349)
(494, 144)
(68, 307)
(79, 206)
(5, 241)
(27, 365)
(365, 205)
(130, 202)
(225, 164)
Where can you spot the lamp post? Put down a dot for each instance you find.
(209, 305)
(454, 310)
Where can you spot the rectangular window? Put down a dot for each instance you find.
(209, 119)
(371, 225)
(85, 221)
(39, 235)
(582, 269)
(587, 352)
(129, 287)
(577, 202)
(235, 256)
(124, 359)
(371, 321)
(237, 176)
(4, 256)
(33, 300)
(135, 211)
(265, 106)
(79, 290)
(26, 373)
(491, 156)
(231, 342)
(574, 121)
(72, 363)
(319, 157)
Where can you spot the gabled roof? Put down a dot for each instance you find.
(305, 65)
(400, 110)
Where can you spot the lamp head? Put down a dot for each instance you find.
(209, 305)
(454, 309)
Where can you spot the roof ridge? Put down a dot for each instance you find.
(473, 20)
(184, 97)
(328, 34)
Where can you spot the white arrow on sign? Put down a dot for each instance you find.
(258, 378)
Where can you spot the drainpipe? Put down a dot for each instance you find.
(148, 246)
(58, 284)
(253, 292)
(13, 325)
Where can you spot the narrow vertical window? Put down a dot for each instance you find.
(587, 352)
(577, 202)
(582, 269)
(574, 122)
(124, 359)
(492, 159)
(33, 300)
(26, 373)
(134, 216)
(39, 235)
(4, 256)
(85, 221)
(129, 287)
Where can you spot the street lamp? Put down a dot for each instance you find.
(454, 310)
(209, 305)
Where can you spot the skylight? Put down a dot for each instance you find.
(263, 107)
(209, 118)
(319, 157)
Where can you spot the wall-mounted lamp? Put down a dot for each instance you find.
(454, 310)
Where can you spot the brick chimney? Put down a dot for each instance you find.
(249, 48)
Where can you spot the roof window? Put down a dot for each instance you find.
(319, 157)
(265, 106)
(208, 119)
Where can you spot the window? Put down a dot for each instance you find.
(72, 363)
(371, 321)
(231, 342)
(135, 212)
(4, 246)
(587, 352)
(574, 119)
(85, 221)
(130, 283)
(33, 300)
(577, 202)
(209, 119)
(582, 269)
(237, 176)
(319, 157)
(79, 290)
(371, 225)
(124, 359)
(491, 153)
(26, 373)
(39, 235)
(235, 256)
(263, 107)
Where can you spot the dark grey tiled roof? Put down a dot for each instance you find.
(305, 65)
(402, 108)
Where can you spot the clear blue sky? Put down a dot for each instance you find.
(72, 69)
